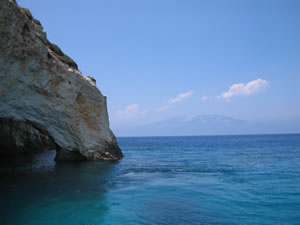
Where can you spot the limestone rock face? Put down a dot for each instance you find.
(45, 102)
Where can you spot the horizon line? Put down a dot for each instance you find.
(209, 135)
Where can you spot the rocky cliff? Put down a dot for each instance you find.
(45, 101)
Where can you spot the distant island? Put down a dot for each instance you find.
(209, 124)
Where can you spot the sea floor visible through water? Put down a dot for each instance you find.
(247, 179)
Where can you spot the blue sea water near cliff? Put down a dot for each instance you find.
(251, 179)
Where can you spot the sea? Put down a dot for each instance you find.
(245, 179)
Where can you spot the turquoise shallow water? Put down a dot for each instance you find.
(161, 180)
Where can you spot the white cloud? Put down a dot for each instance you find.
(242, 89)
(130, 112)
(177, 99)
(180, 97)
(204, 98)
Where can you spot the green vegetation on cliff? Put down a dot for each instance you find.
(61, 55)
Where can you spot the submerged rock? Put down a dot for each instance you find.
(45, 101)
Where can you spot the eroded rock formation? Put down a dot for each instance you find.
(45, 101)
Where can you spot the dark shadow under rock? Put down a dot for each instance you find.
(23, 137)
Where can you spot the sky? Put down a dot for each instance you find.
(159, 59)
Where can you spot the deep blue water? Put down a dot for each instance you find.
(161, 180)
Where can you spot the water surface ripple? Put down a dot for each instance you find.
(251, 179)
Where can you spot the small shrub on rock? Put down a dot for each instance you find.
(55, 49)
(28, 13)
(67, 60)
(37, 22)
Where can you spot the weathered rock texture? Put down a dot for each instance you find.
(45, 101)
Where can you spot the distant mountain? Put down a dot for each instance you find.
(209, 125)
(196, 125)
